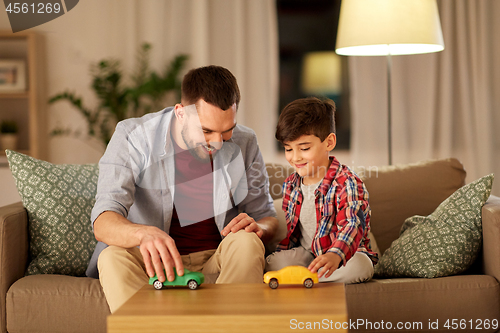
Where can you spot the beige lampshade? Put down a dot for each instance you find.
(381, 27)
(321, 73)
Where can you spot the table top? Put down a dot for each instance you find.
(231, 308)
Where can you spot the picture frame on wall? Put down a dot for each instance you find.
(12, 76)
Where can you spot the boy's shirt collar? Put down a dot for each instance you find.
(331, 173)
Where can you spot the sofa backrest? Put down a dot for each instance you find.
(396, 192)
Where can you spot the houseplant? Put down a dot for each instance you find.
(8, 134)
(117, 101)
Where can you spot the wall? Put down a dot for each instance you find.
(238, 34)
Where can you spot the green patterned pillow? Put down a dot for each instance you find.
(444, 243)
(58, 199)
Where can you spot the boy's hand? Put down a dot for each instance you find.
(329, 261)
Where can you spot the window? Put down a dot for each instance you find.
(307, 33)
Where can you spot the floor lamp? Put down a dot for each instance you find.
(387, 28)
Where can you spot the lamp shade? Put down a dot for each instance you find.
(382, 27)
(322, 73)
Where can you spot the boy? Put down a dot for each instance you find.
(325, 203)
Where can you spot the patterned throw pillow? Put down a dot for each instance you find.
(444, 243)
(58, 199)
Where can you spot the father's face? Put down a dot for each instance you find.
(204, 131)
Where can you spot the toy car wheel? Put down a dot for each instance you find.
(308, 283)
(157, 284)
(273, 283)
(192, 284)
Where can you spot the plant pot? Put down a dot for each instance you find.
(8, 141)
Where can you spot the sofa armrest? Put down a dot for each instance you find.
(491, 237)
(13, 251)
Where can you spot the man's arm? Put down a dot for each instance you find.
(257, 202)
(119, 168)
(157, 247)
(265, 228)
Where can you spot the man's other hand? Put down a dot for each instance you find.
(242, 221)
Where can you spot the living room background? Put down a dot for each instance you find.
(444, 105)
(239, 35)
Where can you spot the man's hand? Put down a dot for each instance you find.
(158, 250)
(329, 261)
(157, 247)
(242, 221)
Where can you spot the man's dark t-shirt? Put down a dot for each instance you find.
(193, 225)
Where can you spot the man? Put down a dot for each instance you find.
(184, 187)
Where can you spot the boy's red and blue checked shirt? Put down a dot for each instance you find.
(342, 214)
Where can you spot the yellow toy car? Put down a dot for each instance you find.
(291, 275)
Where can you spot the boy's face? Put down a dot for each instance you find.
(310, 157)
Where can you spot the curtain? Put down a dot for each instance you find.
(444, 104)
(240, 35)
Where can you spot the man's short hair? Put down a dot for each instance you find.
(214, 84)
(306, 116)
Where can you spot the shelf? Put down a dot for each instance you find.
(26, 108)
(14, 95)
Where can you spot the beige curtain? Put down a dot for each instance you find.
(445, 104)
(238, 34)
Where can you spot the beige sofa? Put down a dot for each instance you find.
(55, 303)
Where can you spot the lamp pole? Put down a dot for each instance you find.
(389, 107)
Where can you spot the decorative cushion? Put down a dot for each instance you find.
(443, 243)
(400, 191)
(58, 199)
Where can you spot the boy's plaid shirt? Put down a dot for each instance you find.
(342, 214)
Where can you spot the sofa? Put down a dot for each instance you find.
(60, 303)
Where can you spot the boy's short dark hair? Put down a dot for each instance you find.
(214, 84)
(306, 116)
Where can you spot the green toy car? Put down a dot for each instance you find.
(190, 279)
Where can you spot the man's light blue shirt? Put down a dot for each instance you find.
(137, 176)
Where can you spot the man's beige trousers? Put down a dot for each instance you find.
(238, 259)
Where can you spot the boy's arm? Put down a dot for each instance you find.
(352, 205)
(329, 261)
(350, 220)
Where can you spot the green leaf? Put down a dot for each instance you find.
(117, 101)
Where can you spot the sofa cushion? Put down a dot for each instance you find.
(444, 243)
(56, 303)
(400, 191)
(58, 199)
(471, 298)
(282, 228)
(277, 175)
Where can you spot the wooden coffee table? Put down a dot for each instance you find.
(232, 308)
